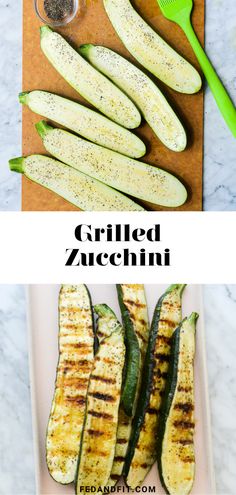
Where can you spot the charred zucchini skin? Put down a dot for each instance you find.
(147, 378)
(102, 407)
(132, 359)
(171, 386)
(62, 477)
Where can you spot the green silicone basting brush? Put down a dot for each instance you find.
(179, 11)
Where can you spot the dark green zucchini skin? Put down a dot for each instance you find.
(147, 378)
(171, 385)
(132, 358)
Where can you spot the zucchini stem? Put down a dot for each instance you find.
(17, 165)
(23, 97)
(43, 128)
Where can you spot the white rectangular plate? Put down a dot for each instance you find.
(43, 337)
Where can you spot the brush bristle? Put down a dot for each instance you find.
(172, 7)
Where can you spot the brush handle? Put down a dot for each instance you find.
(221, 96)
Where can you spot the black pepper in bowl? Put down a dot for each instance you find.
(57, 10)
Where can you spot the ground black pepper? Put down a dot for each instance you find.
(57, 10)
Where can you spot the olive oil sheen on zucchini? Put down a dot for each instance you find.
(125, 256)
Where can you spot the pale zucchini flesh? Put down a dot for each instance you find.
(135, 178)
(99, 435)
(135, 301)
(90, 83)
(143, 453)
(85, 122)
(76, 341)
(177, 459)
(141, 89)
(107, 321)
(79, 189)
(150, 49)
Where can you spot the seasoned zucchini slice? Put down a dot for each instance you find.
(84, 121)
(142, 449)
(176, 458)
(150, 49)
(99, 435)
(135, 301)
(90, 83)
(79, 189)
(138, 179)
(76, 348)
(141, 89)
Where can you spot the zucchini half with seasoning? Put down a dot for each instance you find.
(103, 399)
(76, 347)
(142, 450)
(134, 299)
(176, 459)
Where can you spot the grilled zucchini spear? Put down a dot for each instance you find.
(176, 459)
(142, 449)
(76, 341)
(99, 434)
(134, 300)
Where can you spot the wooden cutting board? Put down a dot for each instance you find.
(93, 26)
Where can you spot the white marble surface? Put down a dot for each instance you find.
(16, 464)
(220, 146)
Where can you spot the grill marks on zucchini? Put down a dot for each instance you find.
(73, 371)
(134, 312)
(142, 449)
(176, 459)
(134, 300)
(103, 400)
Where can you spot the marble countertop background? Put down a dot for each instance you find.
(220, 146)
(16, 450)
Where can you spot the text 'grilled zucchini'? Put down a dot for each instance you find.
(79, 189)
(84, 121)
(99, 435)
(150, 49)
(76, 347)
(90, 83)
(134, 300)
(141, 89)
(176, 459)
(142, 449)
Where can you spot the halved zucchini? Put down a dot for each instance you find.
(77, 188)
(134, 299)
(84, 121)
(142, 90)
(99, 434)
(135, 178)
(76, 348)
(142, 448)
(90, 83)
(150, 49)
(176, 458)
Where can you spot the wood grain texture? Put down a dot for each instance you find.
(93, 26)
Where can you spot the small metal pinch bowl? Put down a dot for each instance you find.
(56, 12)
